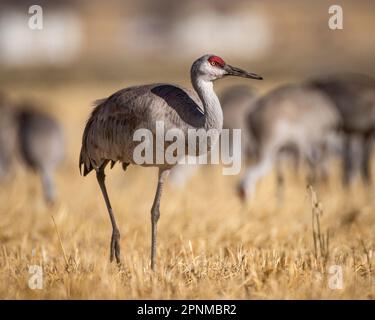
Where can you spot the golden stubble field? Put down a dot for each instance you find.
(209, 245)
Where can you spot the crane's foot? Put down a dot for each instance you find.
(115, 246)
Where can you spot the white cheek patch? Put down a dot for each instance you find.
(212, 71)
(207, 68)
(217, 72)
(221, 72)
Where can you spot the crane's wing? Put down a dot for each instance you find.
(108, 134)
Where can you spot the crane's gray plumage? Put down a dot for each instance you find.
(108, 135)
(110, 128)
(354, 97)
(293, 116)
(41, 144)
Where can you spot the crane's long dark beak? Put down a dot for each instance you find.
(234, 71)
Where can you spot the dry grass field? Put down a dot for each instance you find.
(209, 245)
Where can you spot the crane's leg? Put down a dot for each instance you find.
(365, 160)
(115, 240)
(280, 181)
(348, 161)
(48, 186)
(324, 164)
(296, 161)
(155, 213)
(313, 156)
(253, 174)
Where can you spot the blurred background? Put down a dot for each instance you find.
(96, 47)
(121, 40)
(88, 49)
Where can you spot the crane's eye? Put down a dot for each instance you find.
(213, 63)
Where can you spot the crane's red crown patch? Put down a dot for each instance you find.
(220, 62)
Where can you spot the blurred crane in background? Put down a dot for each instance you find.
(295, 118)
(354, 97)
(41, 145)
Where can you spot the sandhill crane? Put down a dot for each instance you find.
(108, 135)
(354, 97)
(7, 136)
(290, 117)
(41, 145)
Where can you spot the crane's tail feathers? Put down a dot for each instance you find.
(85, 163)
(124, 165)
(85, 167)
(112, 163)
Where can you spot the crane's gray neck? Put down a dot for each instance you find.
(211, 104)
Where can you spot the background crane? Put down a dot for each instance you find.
(292, 117)
(41, 144)
(354, 97)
